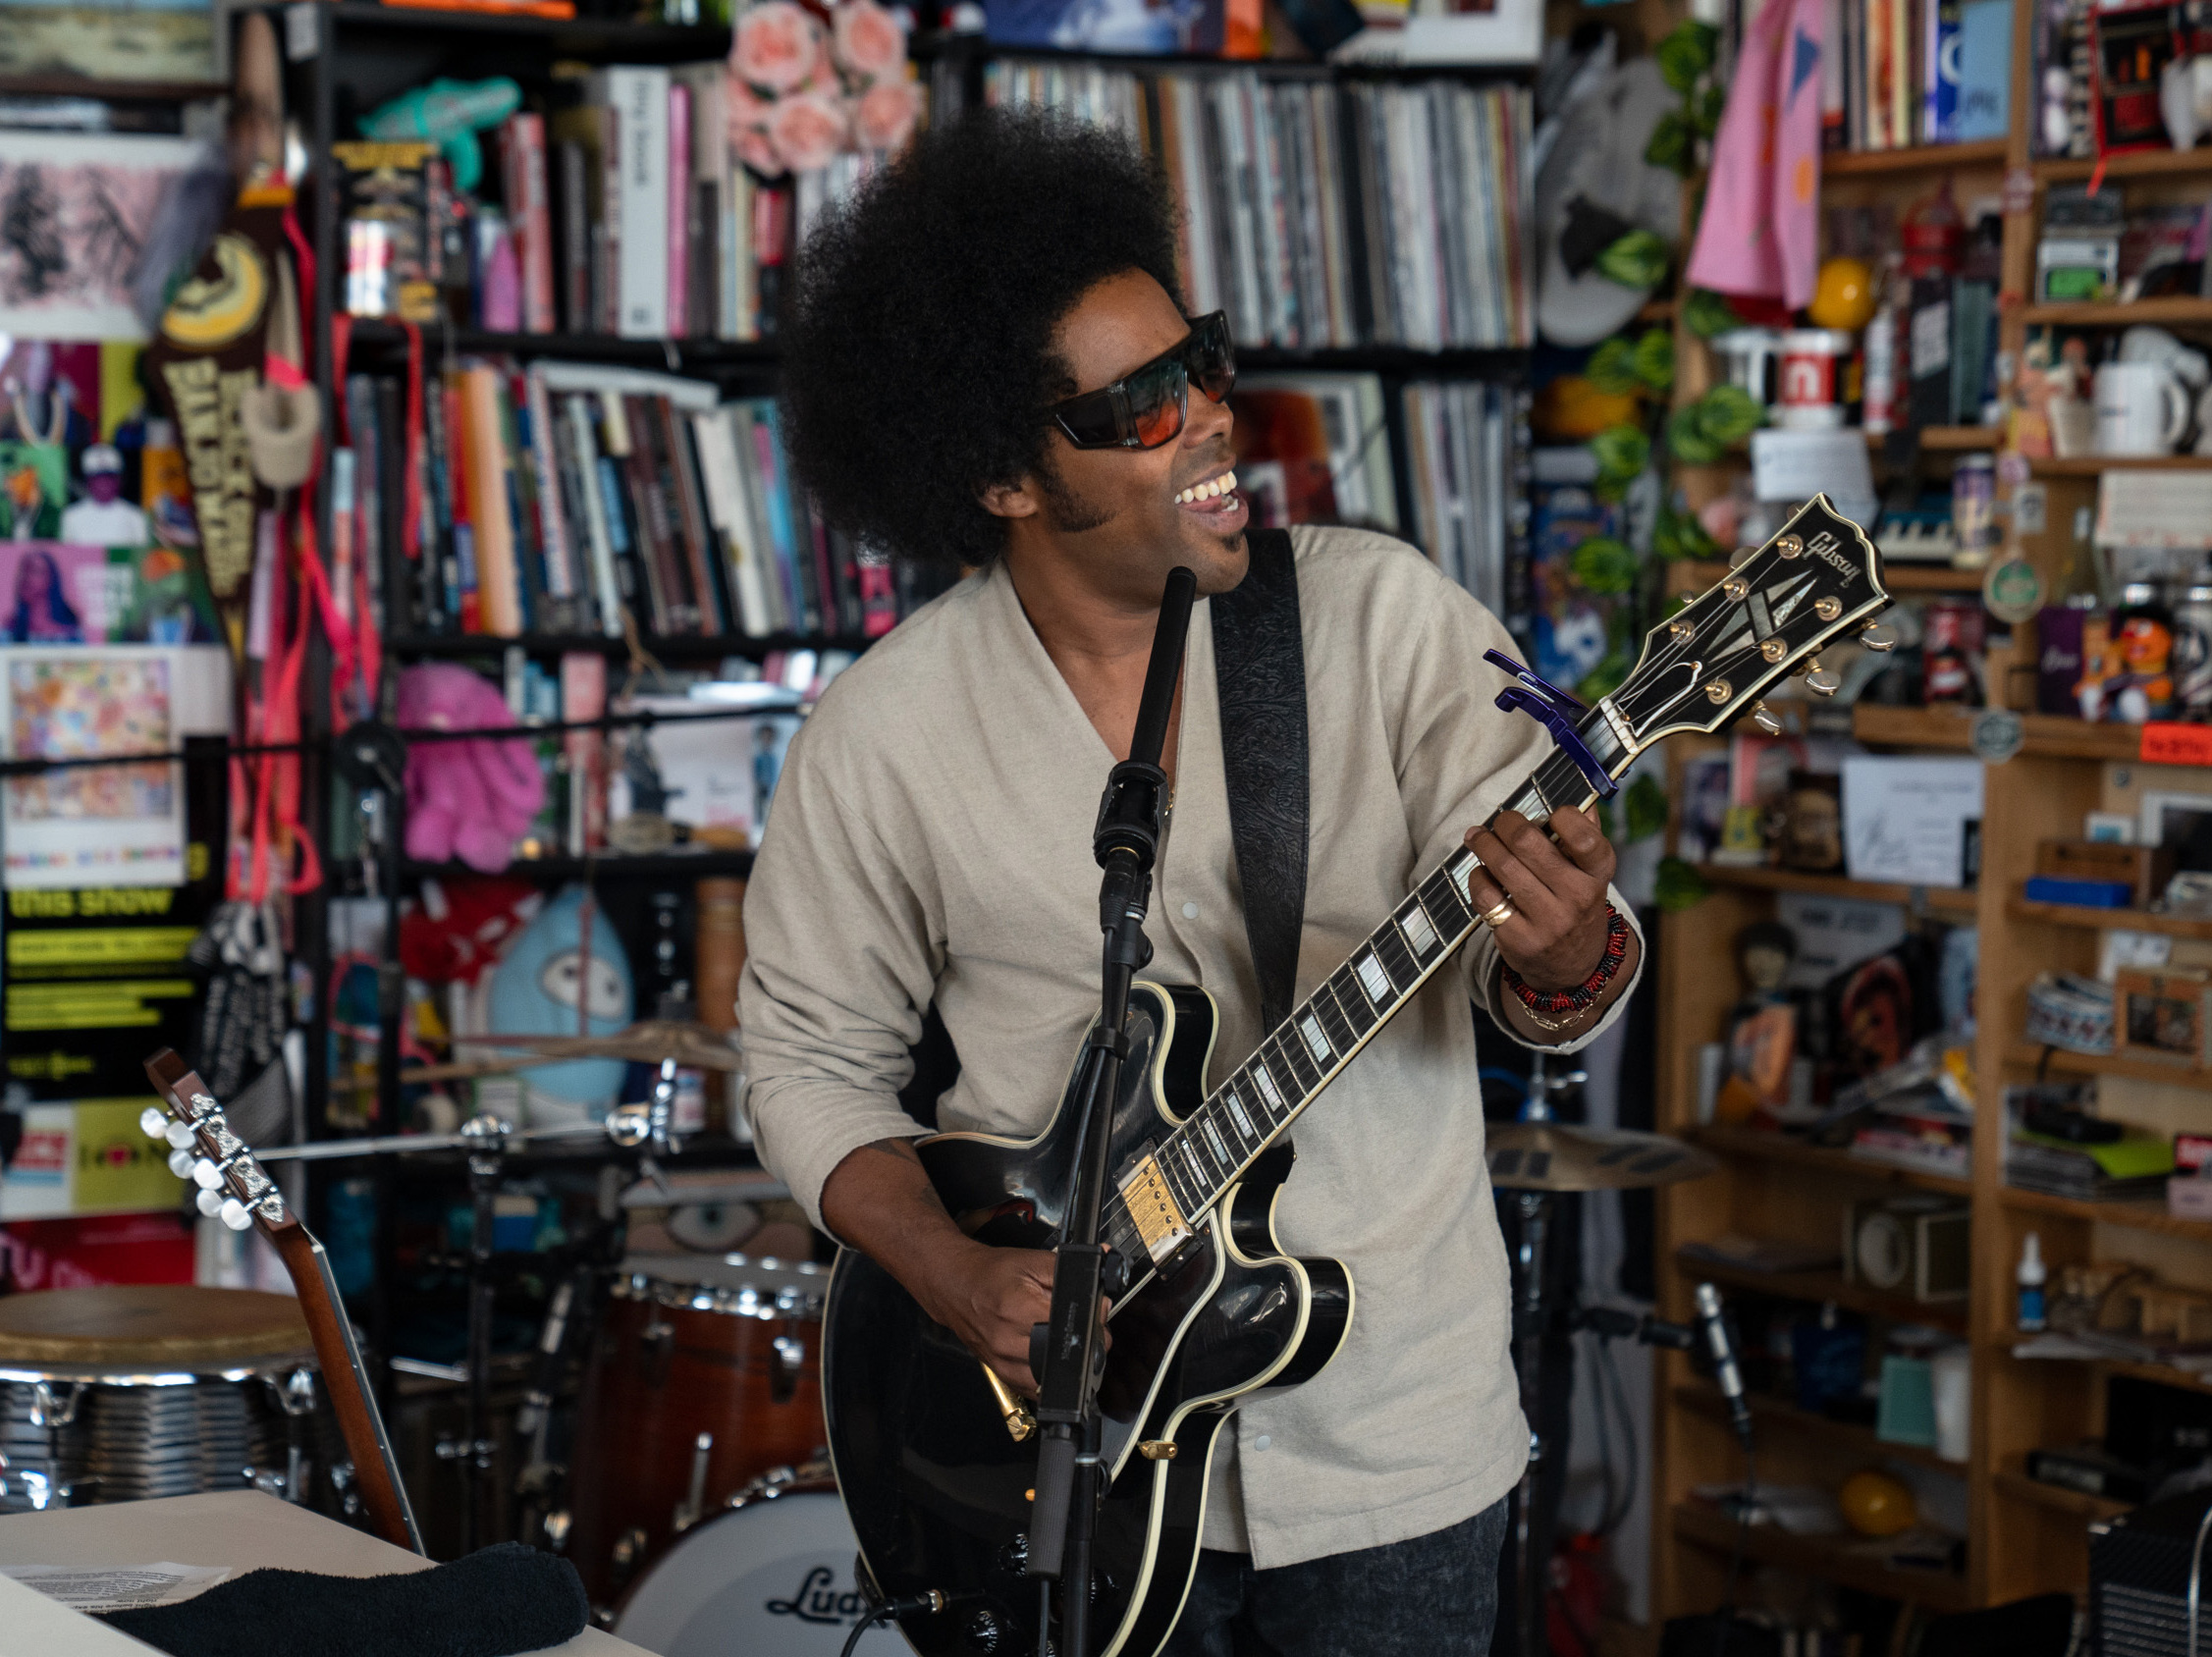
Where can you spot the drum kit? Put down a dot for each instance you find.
(698, 1504)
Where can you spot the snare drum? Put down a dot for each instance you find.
(695, 1388)
(117, 1394)
(775, 1573)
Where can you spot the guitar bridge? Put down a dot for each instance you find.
(1160, 1222)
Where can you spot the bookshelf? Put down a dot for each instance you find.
(2021, 1538)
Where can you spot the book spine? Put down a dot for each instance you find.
(640, 98)
(583, 696)
(775, 608)
(555, 523)
(458, 467)
(575, 239)
(532, 216)
(679, 210)
(607, 265)
(721, 477)
(1833, 136)
(626, 513)
(705, 567)
(499, 576)
(777, 510)
(592, 513)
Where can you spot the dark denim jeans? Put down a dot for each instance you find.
(1433, 1596)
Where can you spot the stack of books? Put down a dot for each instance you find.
(623, 212)
(2133, 1166)
(1896, 74)
(1464, 451)
(556, 495)
(1326, 216)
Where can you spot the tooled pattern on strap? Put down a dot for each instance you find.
(1260, 669)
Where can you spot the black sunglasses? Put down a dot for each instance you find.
(1148, 407)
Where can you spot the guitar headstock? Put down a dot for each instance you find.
(232, 1188)
(1817, 582)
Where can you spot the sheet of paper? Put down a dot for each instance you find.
(1905, 818)
(2153, 508)
(1789, 465)
(117, 1587)
(1835, 933)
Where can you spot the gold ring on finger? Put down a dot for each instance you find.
(1499, 912)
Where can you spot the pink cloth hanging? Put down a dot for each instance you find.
(1761, 232)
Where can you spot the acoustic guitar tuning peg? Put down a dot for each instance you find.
(210, 1203)
(179, 1136)
(235, 1214)
(153, 1122)
(1879, 637)
(1764, 719)
(181, 1163)
(206, 1175)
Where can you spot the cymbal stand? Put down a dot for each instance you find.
(487, 1158)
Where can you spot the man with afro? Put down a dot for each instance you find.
(988, 365)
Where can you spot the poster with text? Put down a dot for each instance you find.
(101, 825)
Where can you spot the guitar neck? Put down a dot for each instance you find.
(346, 1379)
(1193, 1167)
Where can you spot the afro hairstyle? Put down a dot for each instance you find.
(918, 362)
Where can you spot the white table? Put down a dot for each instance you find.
(241, 1529)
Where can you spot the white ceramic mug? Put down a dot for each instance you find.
(2142, 409)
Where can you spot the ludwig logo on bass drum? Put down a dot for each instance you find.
(818, 1600)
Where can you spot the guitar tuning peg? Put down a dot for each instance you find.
(1821, 682)
(235, 1214)
(1764, 719)
(179, 1136)
(206, 1175)
(181, 1163)
(1741, 556)
(153, 1122)
(1879, 637)
(210, 1203)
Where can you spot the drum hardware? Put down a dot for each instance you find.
(1533, 1161)
(783, 1380)
(688, 1509)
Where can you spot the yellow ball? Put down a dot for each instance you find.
(1875, 1504)
(1844, 297)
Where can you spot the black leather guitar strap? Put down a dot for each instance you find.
(1260, 669)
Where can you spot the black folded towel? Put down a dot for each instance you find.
(495, 1602)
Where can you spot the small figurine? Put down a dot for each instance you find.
(1762, 1028)
(103, 519)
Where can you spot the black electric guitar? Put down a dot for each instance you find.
(933, 1457)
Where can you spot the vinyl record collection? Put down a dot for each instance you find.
(1325, 214)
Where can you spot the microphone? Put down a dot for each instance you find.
(1714, 1322)
(1128, 825)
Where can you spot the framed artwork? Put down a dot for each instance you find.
(75, 212)
(147, 40)
(2179, 821)
(92, 826)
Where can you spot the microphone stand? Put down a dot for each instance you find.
(1126, 842)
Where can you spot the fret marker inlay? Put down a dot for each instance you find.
(1419, 933)
(1310, 1029)
(1243, 1122)
(1267, 1085)
(1374, 981)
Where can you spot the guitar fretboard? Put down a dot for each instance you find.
(1303, 1054)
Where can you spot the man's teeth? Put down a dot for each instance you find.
(1225, 483)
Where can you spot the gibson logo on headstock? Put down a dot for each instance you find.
(1829, 551)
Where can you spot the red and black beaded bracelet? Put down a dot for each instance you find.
(1583, 994)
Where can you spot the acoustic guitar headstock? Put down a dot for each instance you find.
(203, 1149)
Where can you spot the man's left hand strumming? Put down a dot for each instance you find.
(1565, 955)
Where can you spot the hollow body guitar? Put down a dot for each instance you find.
(1214, 1311)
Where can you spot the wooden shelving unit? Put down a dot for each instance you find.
(1930, 578)
(2093, 465)
(1761, 1144)
(2061, 1062)
(2137, 1216)
(1953, 900)
(2105, 920)
(1847, 1563)
(2172, 312)
(1821, 1287)
(1855, 1442)
(1920, 158)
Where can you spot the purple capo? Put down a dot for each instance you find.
(1555, 711)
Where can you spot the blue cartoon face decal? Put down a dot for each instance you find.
(540, 982)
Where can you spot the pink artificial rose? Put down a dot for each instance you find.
(757, 150)
(888, 112)
(868, 41)
(809, 131)
(747, 109)
(777, 45)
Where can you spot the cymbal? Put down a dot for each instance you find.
(647, 1041)
(1560, 1157)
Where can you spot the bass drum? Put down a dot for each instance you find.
(773, 1574)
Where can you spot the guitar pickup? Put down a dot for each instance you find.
(1160, 1222)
